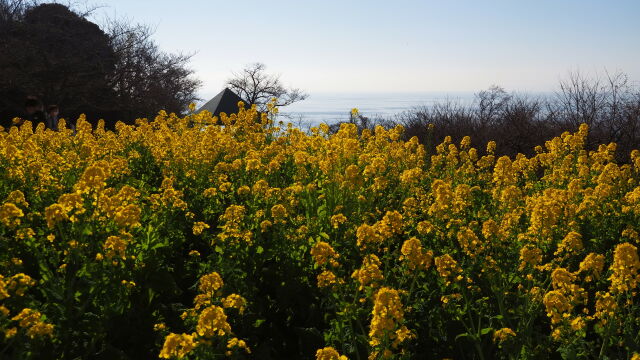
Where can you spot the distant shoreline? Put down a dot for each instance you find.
(335, 107)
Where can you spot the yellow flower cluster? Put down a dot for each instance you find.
(10, 214)
(199, 227)
(234, 301)
(17, 284)
(324, 254)
(329, 353)
(448, 269)
(235, 343)
(624, 270)
(177, 346)
(31, 321)
(415, 256)
(369, 274)
(211, 321)
(503, 334)
(524, 243)
(388, 315)
(210, 283)
(115, 246)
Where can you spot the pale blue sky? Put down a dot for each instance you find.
(397, 46)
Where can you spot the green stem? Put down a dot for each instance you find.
(605, 340)
(475, 332)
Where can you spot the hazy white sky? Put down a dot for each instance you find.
(397, 46)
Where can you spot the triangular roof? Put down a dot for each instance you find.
(226, 101)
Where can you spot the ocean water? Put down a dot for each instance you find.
(336, 107)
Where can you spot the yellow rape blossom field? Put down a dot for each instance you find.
(204, 238)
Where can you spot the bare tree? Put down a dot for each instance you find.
(581, 99)
(255, 86)
(146, 79)
(13, 10)
(490, 103)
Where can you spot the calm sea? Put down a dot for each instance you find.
(335, 107)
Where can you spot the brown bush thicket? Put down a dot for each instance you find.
(518, 123)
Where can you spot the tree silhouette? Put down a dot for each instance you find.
(115, 73)
(257, 87)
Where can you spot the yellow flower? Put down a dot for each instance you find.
(210, 283)
(17, 197)
(593, 264)
(213, 321)
(329, 353)
(235, 301)
(94, 177)
(115, 246)
(323, 254)
(503, 334)
(128, 284)
(367, 235)
(326, 278)
(11, 332)
(54, 214)
(177, 346)
(10, 215)
(337, 220)
(578, 323)
(199, 227)
(40, 329)
(210, 192)
(18, 283)
(557, 305)
(491, 147)
(571, 243)
(237, 343)
(625, 268)
(530, 255)
(278, 212)
(265, 225)
(243, 190)
(128, 216)
(31, 320)
(414, 255)
(448, 268)
(369, 273)
(469, 242)
(387, 314)
(606, 306)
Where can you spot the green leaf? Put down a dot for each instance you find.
(158, 246)
(259, 250)
(485, 331)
